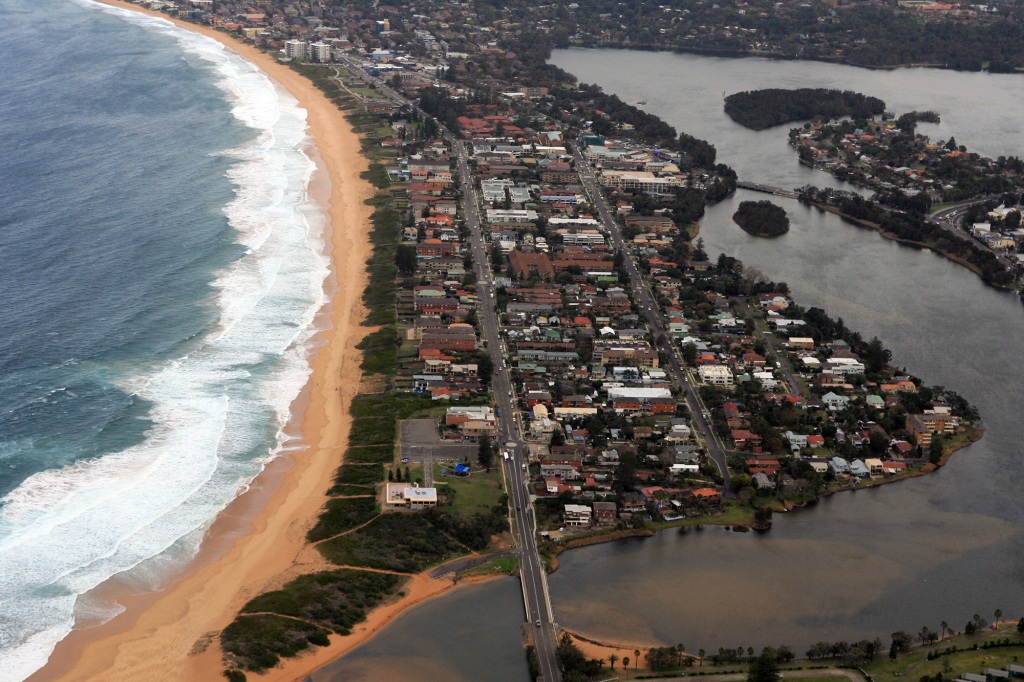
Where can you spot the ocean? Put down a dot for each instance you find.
(161, 267)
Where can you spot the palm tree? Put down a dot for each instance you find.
(945, 626)
(679, 654)
(700, 655)
(611, 659)
(998, 614)
(625, 665)
(636, 658)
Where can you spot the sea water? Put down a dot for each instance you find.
(161, 266)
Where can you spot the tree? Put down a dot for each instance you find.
(764, 668)
(998, 614)
(945, 626)
(901, 642)
(612, 658)
(625, 662)
(679, 654)
(690, 354)
(405, 259)
(700, 653)
(1020, 626)
(485, 454)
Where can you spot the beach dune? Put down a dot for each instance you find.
(255, 544)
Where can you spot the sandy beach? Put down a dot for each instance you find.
(256, 543)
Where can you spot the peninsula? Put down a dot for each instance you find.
(543, 336)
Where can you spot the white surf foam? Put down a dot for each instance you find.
(218, 413)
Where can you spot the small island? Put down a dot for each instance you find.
(761, 109)
(762, 219)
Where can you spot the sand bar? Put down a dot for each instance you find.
(258, 539)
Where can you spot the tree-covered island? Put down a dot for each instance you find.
(760, 109)
(762, 218)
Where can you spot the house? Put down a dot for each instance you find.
(838, 465)
(893, 468)
(874, 466)
(605, 513)
(859, 469)
(744, 439)
(709, 497)
(762, 482)
(797, 442)
(835, 402)
(577, 515)
(632, 503)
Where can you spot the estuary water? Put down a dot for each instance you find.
(941, 547)
(162, 266)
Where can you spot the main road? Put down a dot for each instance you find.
(531, 569)
(532, 574)
(648, 308)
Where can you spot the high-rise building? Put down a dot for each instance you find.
(321, 52)
(296, 49)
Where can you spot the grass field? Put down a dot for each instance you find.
(915, 665)
(476, 494)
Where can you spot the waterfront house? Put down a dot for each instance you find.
(577, 515)
(838, 465)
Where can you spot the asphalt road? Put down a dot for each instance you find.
(649, 310)
(531, 570)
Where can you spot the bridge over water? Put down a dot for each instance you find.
(768, 189)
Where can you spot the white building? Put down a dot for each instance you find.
(404, 496)
(642, 181)
(296, 49)
(577, 515)
(495, 215)
(321, 52)
(715, 375)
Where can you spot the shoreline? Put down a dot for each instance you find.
(258, 538)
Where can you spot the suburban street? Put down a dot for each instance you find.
(649, 309)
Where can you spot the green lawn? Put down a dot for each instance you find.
(732, 513)
(478, 493)
(915, 664)
(506, 565)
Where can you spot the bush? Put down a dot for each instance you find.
(258, 642)
(333, 600)
(407, 543)
(342, 515)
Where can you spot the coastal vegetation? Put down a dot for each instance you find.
(760, 109)
(404, 543)
(762, 218)
(304, 612)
